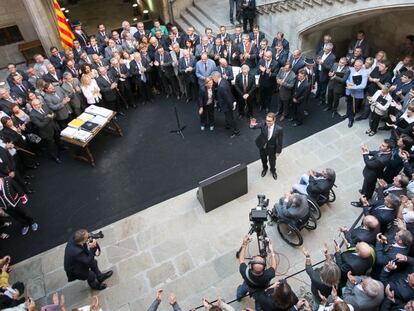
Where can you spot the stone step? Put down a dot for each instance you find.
(182, 24)
(216, 11)
(191, 20)
(204, 19)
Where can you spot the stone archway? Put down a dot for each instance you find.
(385, 29)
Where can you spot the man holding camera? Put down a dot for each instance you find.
(80, 262)
(269, 142)
(255, 275)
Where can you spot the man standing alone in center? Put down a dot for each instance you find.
(269, 142)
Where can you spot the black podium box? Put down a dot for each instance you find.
(223, 187)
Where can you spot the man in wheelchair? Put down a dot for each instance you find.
(292, 208)
(316, 185)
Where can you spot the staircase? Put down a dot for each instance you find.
(283, 6)
(205, 13)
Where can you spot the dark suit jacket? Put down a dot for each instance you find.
(385, 253)
(337, 84)
(18, 91)
(375, 163)
(134, 70)
(196, 39)
(253, 37)
(82, 38)
(251, 85)
(276, 141)
(251, 61)
(75, 72)
(9, 78)
(225, 98)
(108, 94)
(57, 62)
(268, 80)
(45, 126)
(300, 63)
(281, 58)
(228, 71)
(5, 106)
(286, 90)
(105, 63)
(138, 36)
(101, 38)
(77, 261)
(363, 45)
(49, 78)
(360, 234)
(318, 186)
(285, 44)
(248, 11)
(348, 261)
(124, 70)
(203, 98)
(384, 216)
(91, 50)
(300, 93)
(166, 69)
(326, 67)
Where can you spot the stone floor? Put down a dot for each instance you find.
(174, 245)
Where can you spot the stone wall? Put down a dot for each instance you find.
(14, 13)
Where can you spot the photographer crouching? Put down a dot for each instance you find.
(80, 262)
(255, 275)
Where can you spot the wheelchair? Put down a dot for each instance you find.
(315, 204)
(289, 230)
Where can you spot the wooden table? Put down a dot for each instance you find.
(110, 126)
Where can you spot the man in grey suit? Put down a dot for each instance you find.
(71, 88)
(336, 85)
(59, 103)
(111, 48)
(292, 207)
(204, 68)
(363, 293)
(204, 47)
(285, 79)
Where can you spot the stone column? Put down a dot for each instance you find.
(42, 15)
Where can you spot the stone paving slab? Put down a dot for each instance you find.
(174, 245)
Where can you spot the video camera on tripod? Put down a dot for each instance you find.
(258, 218)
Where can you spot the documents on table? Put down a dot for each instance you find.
(89, 122)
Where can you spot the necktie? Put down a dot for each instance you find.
(186, 62)
(245, 83)
(41, 111)
(22, 88)
(205, 67)
(96, 50)
(161, 59)
(294, 62)
(107, 79)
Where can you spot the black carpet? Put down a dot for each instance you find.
(144, 167)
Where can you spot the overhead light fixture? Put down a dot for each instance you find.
(66, 11)
(135, 19)
(62, 9)
(135, 5)
(67, 19)
(2, 83)
(145, 11)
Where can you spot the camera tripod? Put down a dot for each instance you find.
(262, 239)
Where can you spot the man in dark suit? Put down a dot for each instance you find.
(163, 62)
(398, 186)
(43, 119)
(280, 55)
(248, 12)
(6, 99)
(297, 61)
(359, 42)
(57, 58)
(280, 38)
(375, 162)
(387, 250)
(102, 36)
(121, 75)
(366, 232)
(223, 35)
(358, 259)
(109, 90)
(336, 86)
(225, 70)
(236, 37)
(192, 36)
(354, 56)
(57, 101)
(230, 53)
(11, 68)
(187, 66)
(73, 69)
(268, 69)
(226, 102)
(53, 75)
(263, 48)
(247, 52)
(285, 79)
(384, 210)
(95, 48)
(141, 32)
(269, 142)
(299, 98)
(99, 62)
(245, 87)
(256, 36)
(77, 50)
(80, 35)
(324, 61)
(217, 50)
(321, 46)
(138, 69)
(21, 88)
(315, 184)
(80, 262)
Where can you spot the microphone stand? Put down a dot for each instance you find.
(179, 129)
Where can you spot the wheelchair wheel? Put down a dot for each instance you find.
(289, 234)
(332, 196)
(311, 224)
(314, 209)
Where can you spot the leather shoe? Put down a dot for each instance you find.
(326, 109)
(264, 172)
(350, 123)
(335, 114)
(99, 286)
(356, 204)
(57, 160)
(274, 175)
(105, 276)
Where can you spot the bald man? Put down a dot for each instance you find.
(358, 259)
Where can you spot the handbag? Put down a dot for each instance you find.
(33, 138)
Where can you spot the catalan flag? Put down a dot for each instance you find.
(66, 34)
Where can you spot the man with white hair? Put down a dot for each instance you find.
(363, 293)
(245, 87)
(126, 27)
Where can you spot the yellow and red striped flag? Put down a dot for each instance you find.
(65, 32)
